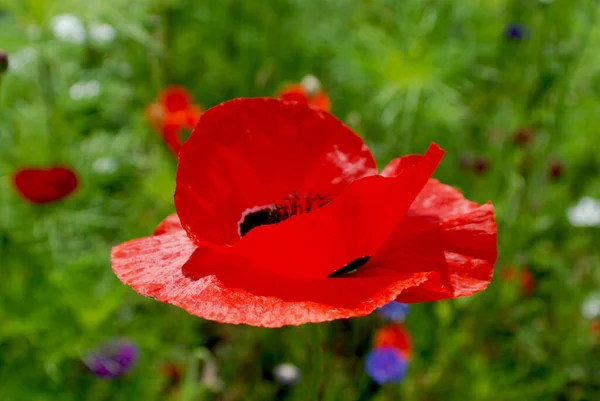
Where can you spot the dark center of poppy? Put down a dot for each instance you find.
(350, 267)
(292, 205)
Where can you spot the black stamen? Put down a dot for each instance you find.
(258, 218)
(350, 267)
(292, 205)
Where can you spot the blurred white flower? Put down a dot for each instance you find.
(586, 213)
(210, 377)
(591, 307)
(69, 28)
(22, 58)
(287, 373)
(105, 165)
(311, 84)
(84, 90)
(102, 33)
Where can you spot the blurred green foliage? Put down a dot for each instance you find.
(403, 74)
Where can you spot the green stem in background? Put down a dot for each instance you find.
(192, 389)
(317, 362)
(46, 84)
(571, 69)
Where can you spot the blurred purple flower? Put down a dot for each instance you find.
(112, 359)
(394, 311)
(385, 365)
(515, 31)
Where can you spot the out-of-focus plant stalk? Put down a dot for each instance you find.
(317, 362)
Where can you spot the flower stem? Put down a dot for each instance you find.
(317, 360)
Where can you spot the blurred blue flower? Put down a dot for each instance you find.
(515, 31)
(112, 359)
(68, 28)
(394, 311)
(385, 365)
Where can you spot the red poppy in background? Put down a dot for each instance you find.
(307, 92)
(172, 114)
(596, 327)
(282, 219)
(394, 335)
(45, 185)
(524, 276)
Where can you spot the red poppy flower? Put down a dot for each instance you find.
(173, 114)
(596, 327)
(525, 278)
(298, 93)
(282, 220)
(394, 335)
(523, 137)
(172, 371)
(45, 185)
(556, 169)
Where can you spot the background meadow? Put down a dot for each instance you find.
(510, 88)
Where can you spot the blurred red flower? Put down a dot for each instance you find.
(45, 185)
(299, 93)
(523, 137)
(524, 277)
(596, 327)
(396, 336)
(556, 169)
(283, 220)
(172, 114)
(172, 371)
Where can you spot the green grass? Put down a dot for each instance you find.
(415, 72)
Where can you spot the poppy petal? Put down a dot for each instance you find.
(249, 153)
(45, 185)
(152, 267)
(469, 266)
(175, 98)
(293, 260)
(171, 224)
(462, 250)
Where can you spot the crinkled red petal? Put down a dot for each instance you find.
(175, 98)
(152, 267)
(293, 260)
(249, 153)
(171, 224)
(45, 185)
(462, 250)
